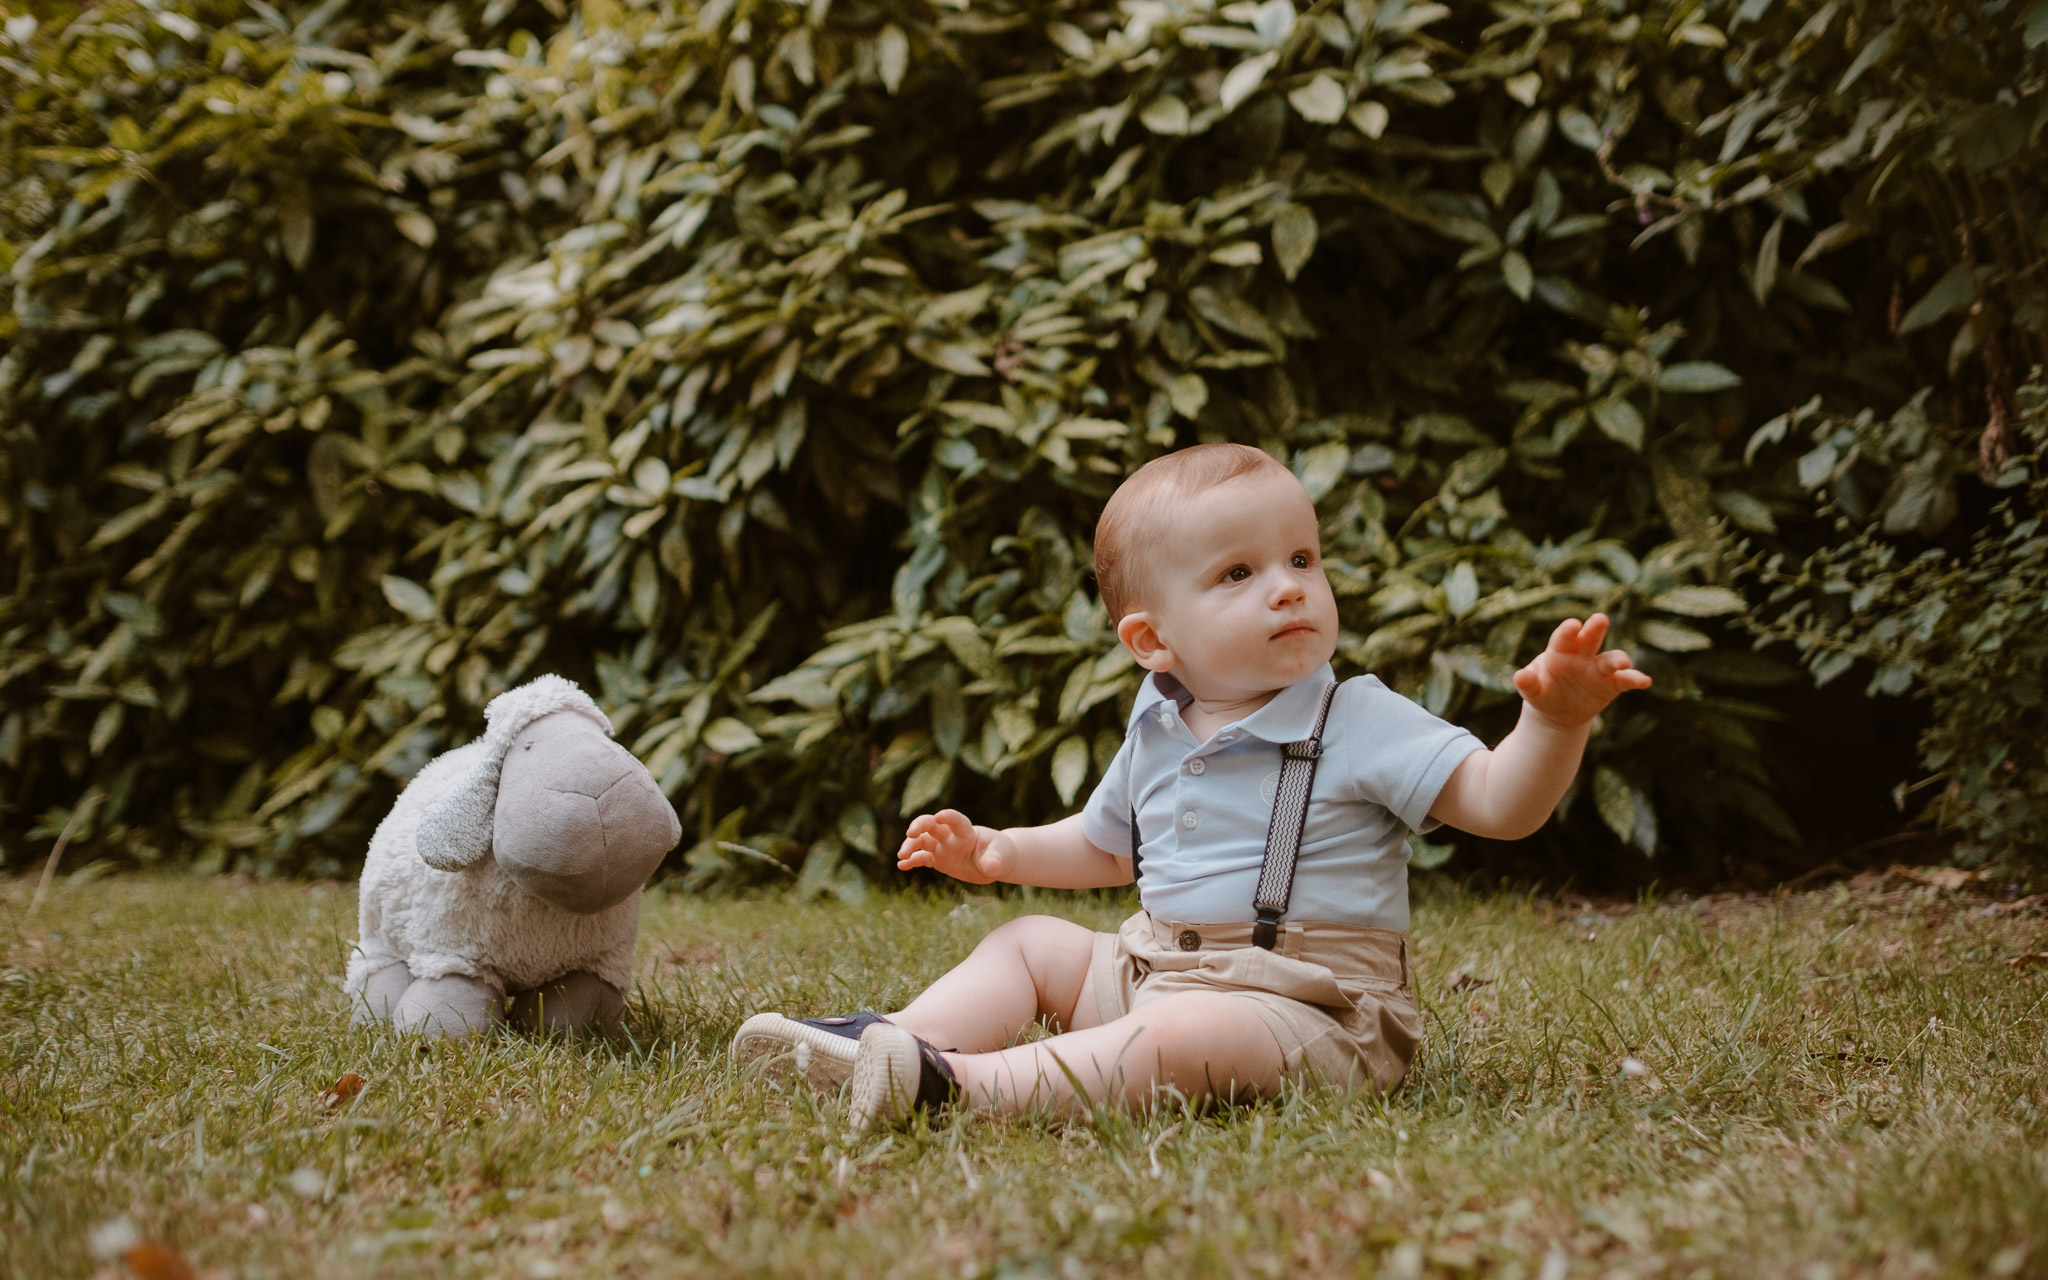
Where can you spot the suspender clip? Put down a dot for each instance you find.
(1266, 929)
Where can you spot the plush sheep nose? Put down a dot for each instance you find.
(579, 824)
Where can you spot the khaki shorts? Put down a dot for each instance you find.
(1337, 997)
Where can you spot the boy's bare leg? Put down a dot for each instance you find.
(1200, 1044)
(1032, 968)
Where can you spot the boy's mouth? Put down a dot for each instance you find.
(1294, 629)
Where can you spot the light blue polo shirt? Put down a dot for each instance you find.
(1203, 807)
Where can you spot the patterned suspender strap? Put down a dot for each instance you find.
(1284, 832)
(1134, 844)
(1136, 839)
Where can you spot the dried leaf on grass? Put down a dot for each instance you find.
(2029, 960)
(1462, 981)
(342, 1091)
(151, 1260)
(1950, 879)
(2024, 906)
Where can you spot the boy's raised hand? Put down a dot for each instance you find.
(946, 841)
(1572, 681)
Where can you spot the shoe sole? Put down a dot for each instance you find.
(885, 1078)
(784, 1047)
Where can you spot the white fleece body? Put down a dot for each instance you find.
(474, 921)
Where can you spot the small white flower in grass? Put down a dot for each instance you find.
(1400, 1135)
(803, 1056)
(308, 1182)
(1634, 1067)
(112, 1238)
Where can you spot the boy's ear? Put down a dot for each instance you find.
(1143, 640)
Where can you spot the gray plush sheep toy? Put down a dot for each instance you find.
(505, 883)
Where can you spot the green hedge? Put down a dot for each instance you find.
(764, 364)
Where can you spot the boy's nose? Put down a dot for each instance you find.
(1285, 591)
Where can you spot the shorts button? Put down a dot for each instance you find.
(1188, 819)
(1189, 940)
(1198, 767)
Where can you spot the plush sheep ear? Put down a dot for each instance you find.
(455, 830)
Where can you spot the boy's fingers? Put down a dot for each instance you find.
(1528, 682)
(1593, 633)
(1633, 679)
(1567, 631)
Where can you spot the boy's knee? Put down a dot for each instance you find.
(1192, 1017)
(1027, 933)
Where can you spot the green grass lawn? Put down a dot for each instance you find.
(1850, 1082)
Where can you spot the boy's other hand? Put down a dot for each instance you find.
(1572, 681)
(947, 842)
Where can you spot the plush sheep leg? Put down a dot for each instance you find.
(455, 1007)
(382, 990)
(575, 1003)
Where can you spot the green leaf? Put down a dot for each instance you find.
(1188, 393)
(295, 224)
(1461, 589)
(1672, 637)
(1294, 239)
(927, 783)
(1619, 420)
(1516, 273)
(1424, 856)
(1745, 511)
(417, 227)
(1697, 377)
(1321, 100)
(1321, 466)
(892, 56)
(1244, 79)
(1765, 275)
(1617, 803)
(410, 598)
(1369, 118)
(858, 827)
(1699, 602)
(1947, 295)
(1070, 768)
(729, 736)
(1165, 114)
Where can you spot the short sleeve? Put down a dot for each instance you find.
(1393, 752)
(1106, 818)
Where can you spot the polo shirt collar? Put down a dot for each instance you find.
(1289, 717)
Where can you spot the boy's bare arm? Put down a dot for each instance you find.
(1056, 856)
(1510, 791)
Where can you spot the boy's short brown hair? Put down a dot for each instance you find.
(1136, 510)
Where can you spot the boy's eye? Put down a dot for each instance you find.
(1236, 573)
(1300, 560)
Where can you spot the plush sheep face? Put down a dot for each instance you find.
(579, 823)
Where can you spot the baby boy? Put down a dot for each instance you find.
(1209, 560)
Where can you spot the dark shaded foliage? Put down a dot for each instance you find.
(764, 365)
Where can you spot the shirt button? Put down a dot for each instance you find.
(1189, 940)
(1198, 767)
(1188, 820)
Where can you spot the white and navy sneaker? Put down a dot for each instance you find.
(821, 1050)
(896, 1075)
